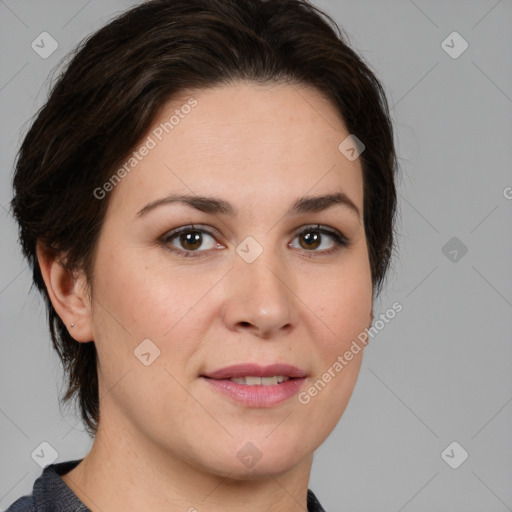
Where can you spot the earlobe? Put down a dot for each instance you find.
(68, 294)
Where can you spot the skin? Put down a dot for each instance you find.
(166, 440)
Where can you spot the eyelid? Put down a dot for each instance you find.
(209, 230)
(334, 233)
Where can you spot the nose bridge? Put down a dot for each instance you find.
(267, 277)
(259, 297)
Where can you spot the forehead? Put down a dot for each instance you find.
(246, 142)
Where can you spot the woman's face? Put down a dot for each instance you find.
(261, 278)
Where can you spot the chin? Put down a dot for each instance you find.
(275, 467)
(259, 458)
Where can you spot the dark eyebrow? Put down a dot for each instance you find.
(205, 204)
(215, 205)
(319, 203)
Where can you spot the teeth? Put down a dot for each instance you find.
(260, 381)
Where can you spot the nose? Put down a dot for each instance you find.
(259, 298)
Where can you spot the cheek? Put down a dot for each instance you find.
(145, 297)
(343, 302)
(342, 299)
(137, 301)
(140, 295)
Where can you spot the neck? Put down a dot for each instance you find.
(124, 471)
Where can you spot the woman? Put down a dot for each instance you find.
(207, 203)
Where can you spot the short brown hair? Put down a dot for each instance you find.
(115, 84)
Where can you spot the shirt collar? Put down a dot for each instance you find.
(51, 493)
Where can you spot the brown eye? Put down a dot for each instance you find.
(191, 240)
(310, 240)
(319, 240)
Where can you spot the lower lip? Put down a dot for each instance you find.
(257, 396)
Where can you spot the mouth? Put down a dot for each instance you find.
(252, 380)
(253, 385)
(251, 370)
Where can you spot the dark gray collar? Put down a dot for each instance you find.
(51, 493)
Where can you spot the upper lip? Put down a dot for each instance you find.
(256, 370)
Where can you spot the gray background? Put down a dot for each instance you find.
(441, 370)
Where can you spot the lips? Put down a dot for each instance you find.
(255, 370)
(252, 385)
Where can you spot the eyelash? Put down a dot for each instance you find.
(339, 239)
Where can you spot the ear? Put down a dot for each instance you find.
(68, 294)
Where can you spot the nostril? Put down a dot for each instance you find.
(245, 324)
